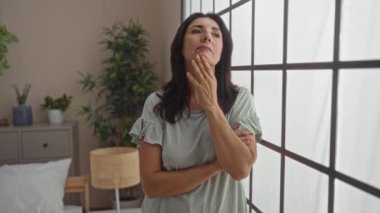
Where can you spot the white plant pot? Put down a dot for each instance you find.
(55, 116)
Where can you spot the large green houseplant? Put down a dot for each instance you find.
(6, 37)
(121, 86)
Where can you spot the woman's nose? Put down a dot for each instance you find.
(206, 37)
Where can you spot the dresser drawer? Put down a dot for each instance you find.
(45, 144)
(8, 146)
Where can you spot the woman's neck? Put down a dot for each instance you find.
(193, 105)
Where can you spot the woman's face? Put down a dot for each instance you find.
(203, 37)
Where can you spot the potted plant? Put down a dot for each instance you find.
(22, 113)
(6, 37)
(56, 107)
(121, 88)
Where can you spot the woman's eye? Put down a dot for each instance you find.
(216, 35)
(195, 31)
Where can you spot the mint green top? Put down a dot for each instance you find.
(187, 143)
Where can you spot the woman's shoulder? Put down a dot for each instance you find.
(243, 94)
(243, 100)
(154, 97)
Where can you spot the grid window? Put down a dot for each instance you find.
(359, 124)
(268, 31)
(350, 199)
(207, 6)
(268, 92)
(311, 27)
(266, 180)
(221, 4)
(242, 34)
(242, 78)
(226, 19)
(306, 189)
(308, 114)
(360, 32)
(314, 70)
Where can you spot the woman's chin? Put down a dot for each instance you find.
(209, 56)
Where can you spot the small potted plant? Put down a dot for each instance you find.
(56, 107)
(22, 114)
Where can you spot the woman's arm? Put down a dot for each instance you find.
(233, 156)
(159, 183)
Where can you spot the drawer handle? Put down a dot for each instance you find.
(45, 145)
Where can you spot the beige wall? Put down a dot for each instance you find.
(60, 38)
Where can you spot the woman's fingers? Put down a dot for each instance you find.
(245, 136)
(209, 71)
(193, 82)
(201, 66)
(197, 72)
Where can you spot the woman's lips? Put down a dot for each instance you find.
(204, 48)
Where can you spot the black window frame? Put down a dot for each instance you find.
(336, 66)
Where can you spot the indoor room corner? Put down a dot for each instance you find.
(59, 39)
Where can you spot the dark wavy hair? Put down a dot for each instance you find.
(176, 93)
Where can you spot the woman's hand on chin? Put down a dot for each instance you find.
(203, 82)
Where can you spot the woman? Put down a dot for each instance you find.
(190, 133)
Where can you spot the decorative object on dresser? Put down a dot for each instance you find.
(56, 107)
(41, 142)
(114, 168)
(6, 37)
(22, 114)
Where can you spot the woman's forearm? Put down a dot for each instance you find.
(234, 156)
(172, 183)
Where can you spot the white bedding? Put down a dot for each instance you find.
(72, 209)
(33, 187)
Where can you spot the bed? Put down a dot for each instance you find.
(40, 188)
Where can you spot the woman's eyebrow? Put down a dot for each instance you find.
(202, 27)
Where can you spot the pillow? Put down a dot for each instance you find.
(33, 188)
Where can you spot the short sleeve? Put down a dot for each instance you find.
(244, 113)
(149, 125)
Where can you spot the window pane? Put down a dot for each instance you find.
(268, 31)
(268, 98)
(195, 6)
(234, 1)
(359, 34)
(351, 199)
(242, 78)
(306, 190)
(207, 6)
(359, 124)
(308, 113)
(266, 180)
(310, 30)
(226, 20)
(187, 11)
(221, 5)
(242, 34)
